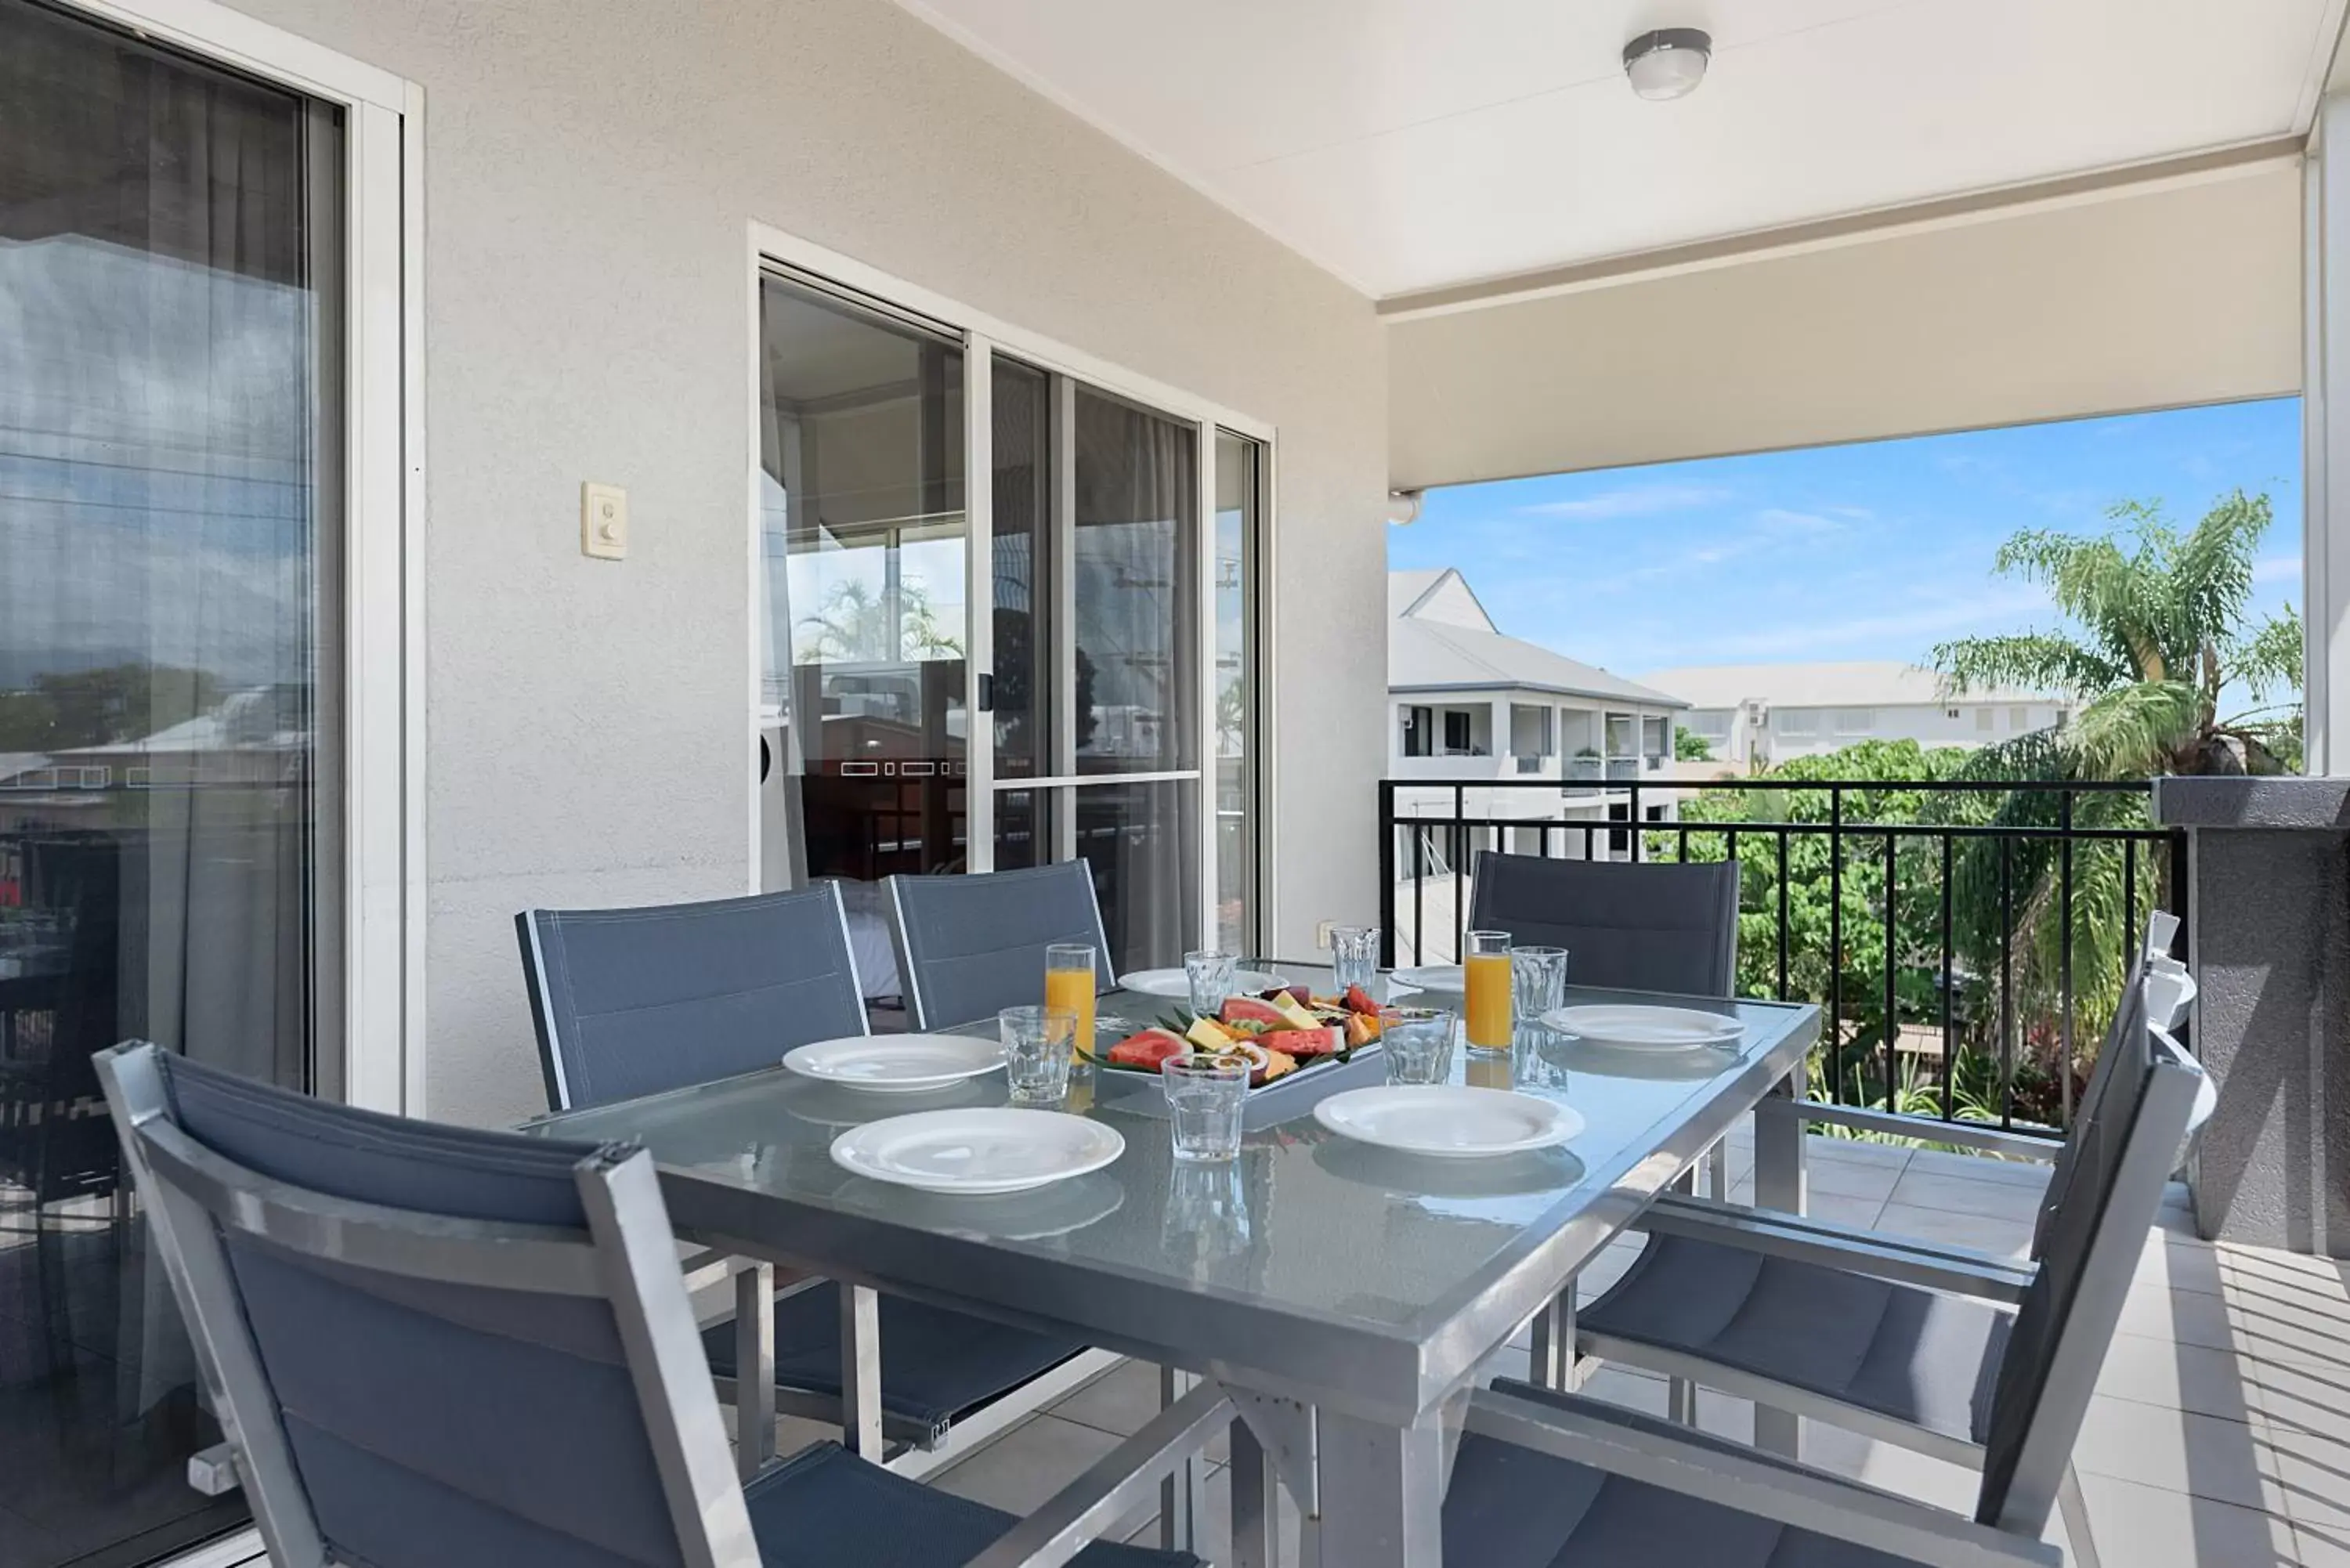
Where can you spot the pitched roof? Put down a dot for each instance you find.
(1859, 683)
(1438, 656)
(1406, 589)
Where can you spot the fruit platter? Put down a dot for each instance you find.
(1278, 1034)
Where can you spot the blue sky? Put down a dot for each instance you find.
(1873, 551)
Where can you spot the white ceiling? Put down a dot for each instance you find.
(1411, 144)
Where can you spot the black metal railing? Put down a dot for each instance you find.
(1964, 939)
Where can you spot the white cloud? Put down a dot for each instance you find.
(1634, 501)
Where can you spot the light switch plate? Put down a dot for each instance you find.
(603, 521)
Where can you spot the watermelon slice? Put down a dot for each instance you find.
(1148, 1048)
(1357, 999)
(1249, 1010)
(1323, 1040)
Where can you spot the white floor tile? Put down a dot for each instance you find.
(1122, 1400)
(1992, 1199)
(2179, 1452)
(1023, 1470)
(2146, 1527)
(2007, 1237)
(2031, 1173)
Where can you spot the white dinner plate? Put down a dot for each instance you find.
(1174, 982)
(991, 1148)
(1445, 977)
(899, 1064)
(1632, 1028)
(1448, 1120)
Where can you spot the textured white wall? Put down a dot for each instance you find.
(591, 167)
(2185, 294)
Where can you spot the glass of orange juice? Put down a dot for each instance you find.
(1069, 986)
(1486, 969)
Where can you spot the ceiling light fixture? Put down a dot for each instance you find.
(1668, 62)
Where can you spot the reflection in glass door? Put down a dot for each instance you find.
(1117, 627)
(864, 629)
(171, 251)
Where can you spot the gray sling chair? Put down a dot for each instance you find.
(1829, 1322)
(438, 1347)
(1907, 1343)
(1627, 927)
(636, 1002)
(970, 945)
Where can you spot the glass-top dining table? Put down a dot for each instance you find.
(1330, 1287)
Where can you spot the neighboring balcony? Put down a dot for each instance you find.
(1467, 768)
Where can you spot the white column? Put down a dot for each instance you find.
(2326, 414)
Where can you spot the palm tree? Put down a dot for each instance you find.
(2156, 639)
(2158, 635)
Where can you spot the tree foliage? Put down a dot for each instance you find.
(2158, 630)
(100, 707)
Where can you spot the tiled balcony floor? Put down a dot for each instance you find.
(2220, 1435)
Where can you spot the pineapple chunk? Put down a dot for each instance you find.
(1208, 1034)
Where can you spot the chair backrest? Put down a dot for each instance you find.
(1634, 926)
(971, 945)
(633, 1002)
(2122, 1151)
(433, 1347)
(2112, 1056)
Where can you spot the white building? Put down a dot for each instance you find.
(1752, 716)
(1470, 706)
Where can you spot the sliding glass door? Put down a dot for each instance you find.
(1114, 609)
(171, 547)
(1096, 653)
(863, 554)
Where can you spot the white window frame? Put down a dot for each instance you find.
(383, 522)
(984, 336)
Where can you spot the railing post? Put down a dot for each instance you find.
(1835, 944)
(2065, 958)
(1387, 873)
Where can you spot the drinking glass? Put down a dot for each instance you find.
(1204, 1106)
(1416, 1046)
(1537, 981)
(1070, 982)
(1039, 1042)
(1210, 975)
(1354, 956)
(1485, 970)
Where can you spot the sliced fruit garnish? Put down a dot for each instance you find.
(1362, 1028)
(1360, 1000)
(1322, 1040)
(1148, 1048)
(1249, 1010)
(1299, 1015)
(1208, 1034)
(1264, 1062)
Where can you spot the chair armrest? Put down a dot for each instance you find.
(1953, 1269)
(1068, 1523)
(1639, 1448)
(1966, 1135)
